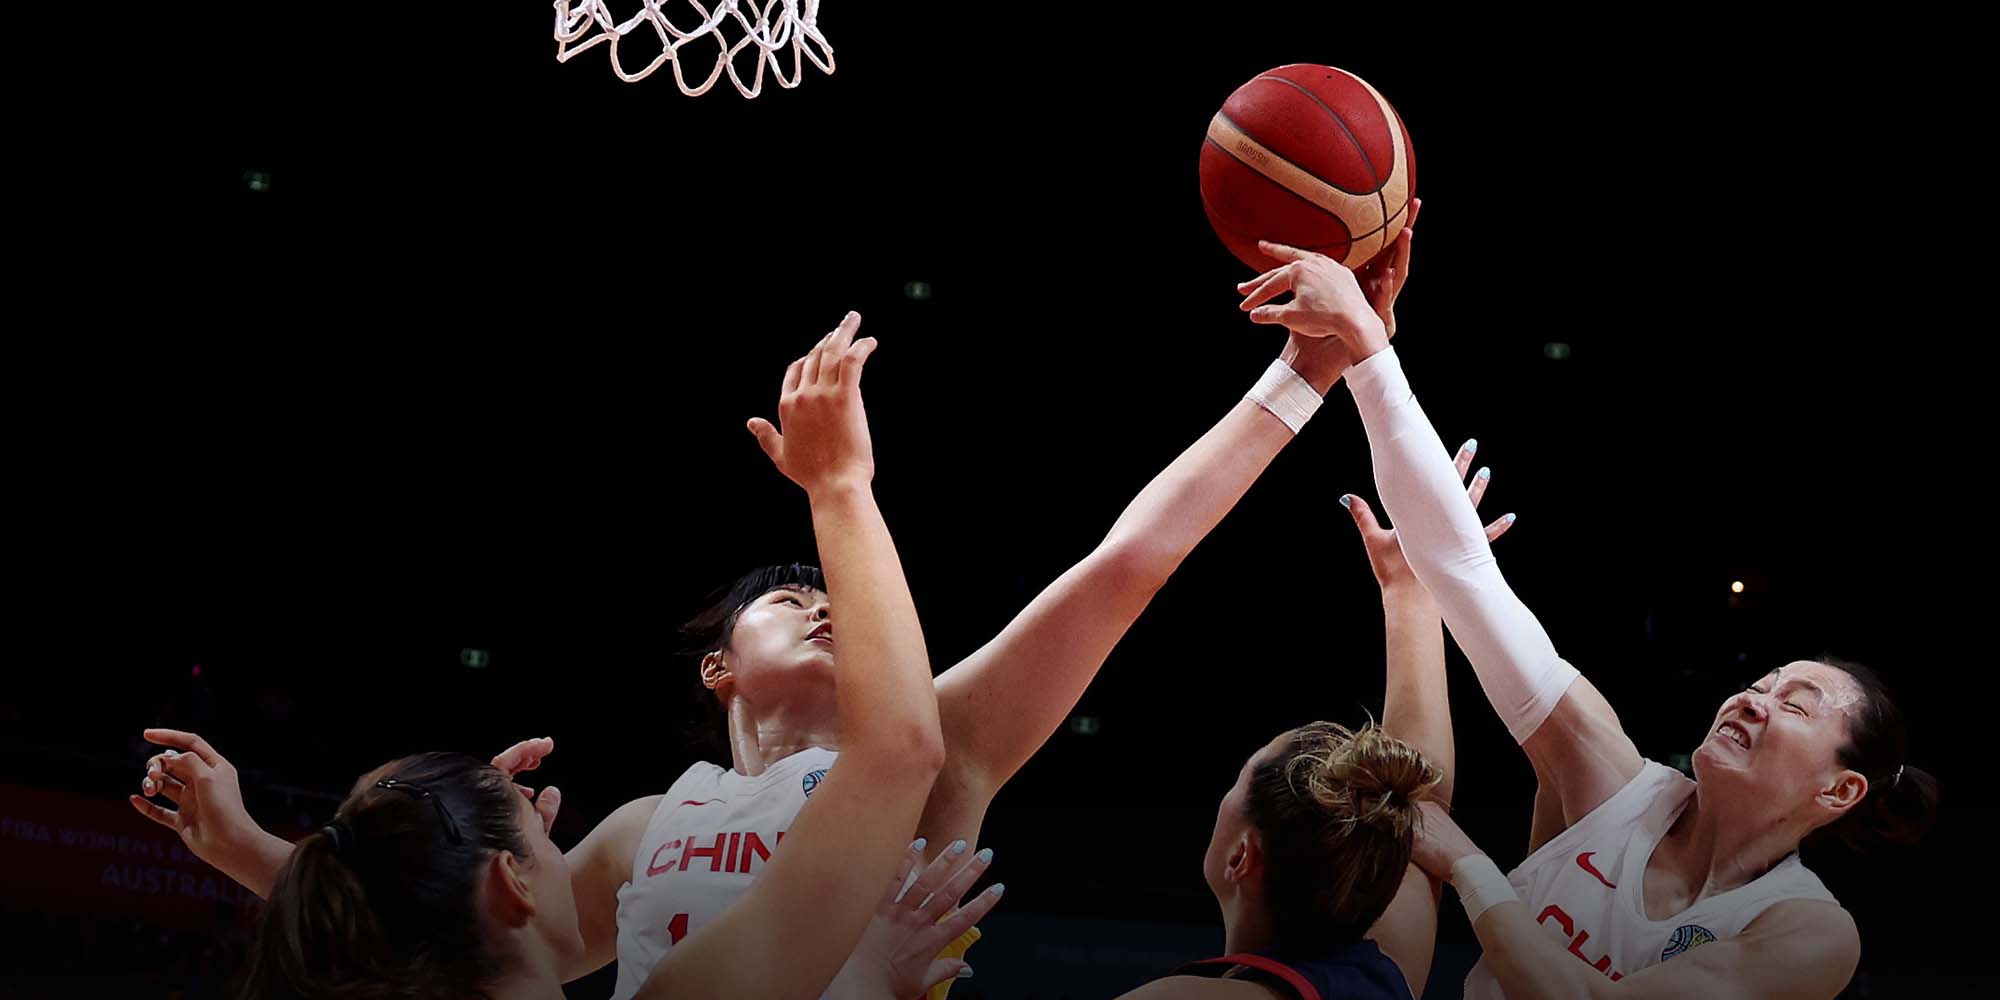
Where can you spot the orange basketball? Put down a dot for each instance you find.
(1309, 156)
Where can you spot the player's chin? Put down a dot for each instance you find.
(1715, 759)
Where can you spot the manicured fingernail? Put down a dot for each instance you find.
(1347, 500)
(1510, 519)
(919, 844)
(1470, 446)
(1485, 473)
(957, 847)
(985, 855)
(998, 889)
(965, 973)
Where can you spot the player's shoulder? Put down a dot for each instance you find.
(1811, 925)
(619, 833)
(638, 811)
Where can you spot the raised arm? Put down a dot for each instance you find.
(1563, 724)
(209, 814)
(1415, 709)
(792, 930)
(1000, 704)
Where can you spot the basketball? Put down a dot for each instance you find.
(1311, 157)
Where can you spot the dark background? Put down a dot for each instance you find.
(472, 371)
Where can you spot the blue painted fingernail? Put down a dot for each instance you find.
(965, 973)
(957, 847)
(1510, 519)
(1347, 500)
(997, 889)
(1471, 445)
(919, 844)
(985, 855)
(1485, 473)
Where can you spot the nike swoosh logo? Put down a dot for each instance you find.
(1583, 862)
(691, 802)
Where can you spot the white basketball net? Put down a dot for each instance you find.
(770, 25)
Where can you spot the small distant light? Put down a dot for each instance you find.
(473, 657)
(917, 291)
(257, 180)
(1555, 350)
(1736, 588)
(1083, 725)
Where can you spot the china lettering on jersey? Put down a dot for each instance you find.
(712, 833)
(1586, 886)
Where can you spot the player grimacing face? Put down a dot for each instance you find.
(1780, 739)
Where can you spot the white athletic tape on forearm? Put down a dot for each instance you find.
(1446, 545)
(1481, 885)
(1286, 395)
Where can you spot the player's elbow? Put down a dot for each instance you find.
(1132, 564)
(927, 752)
(1456, 573)
(907, 758)
(918, 751)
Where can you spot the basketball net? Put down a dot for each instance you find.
(770, 25)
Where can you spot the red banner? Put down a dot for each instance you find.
(71, 853)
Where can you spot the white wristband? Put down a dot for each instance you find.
(1480, 885)
(1286, 395)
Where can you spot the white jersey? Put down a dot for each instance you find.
(1586, 886)
(713, 831)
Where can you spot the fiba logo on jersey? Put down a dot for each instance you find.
(1686, 938)
(812, 780)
